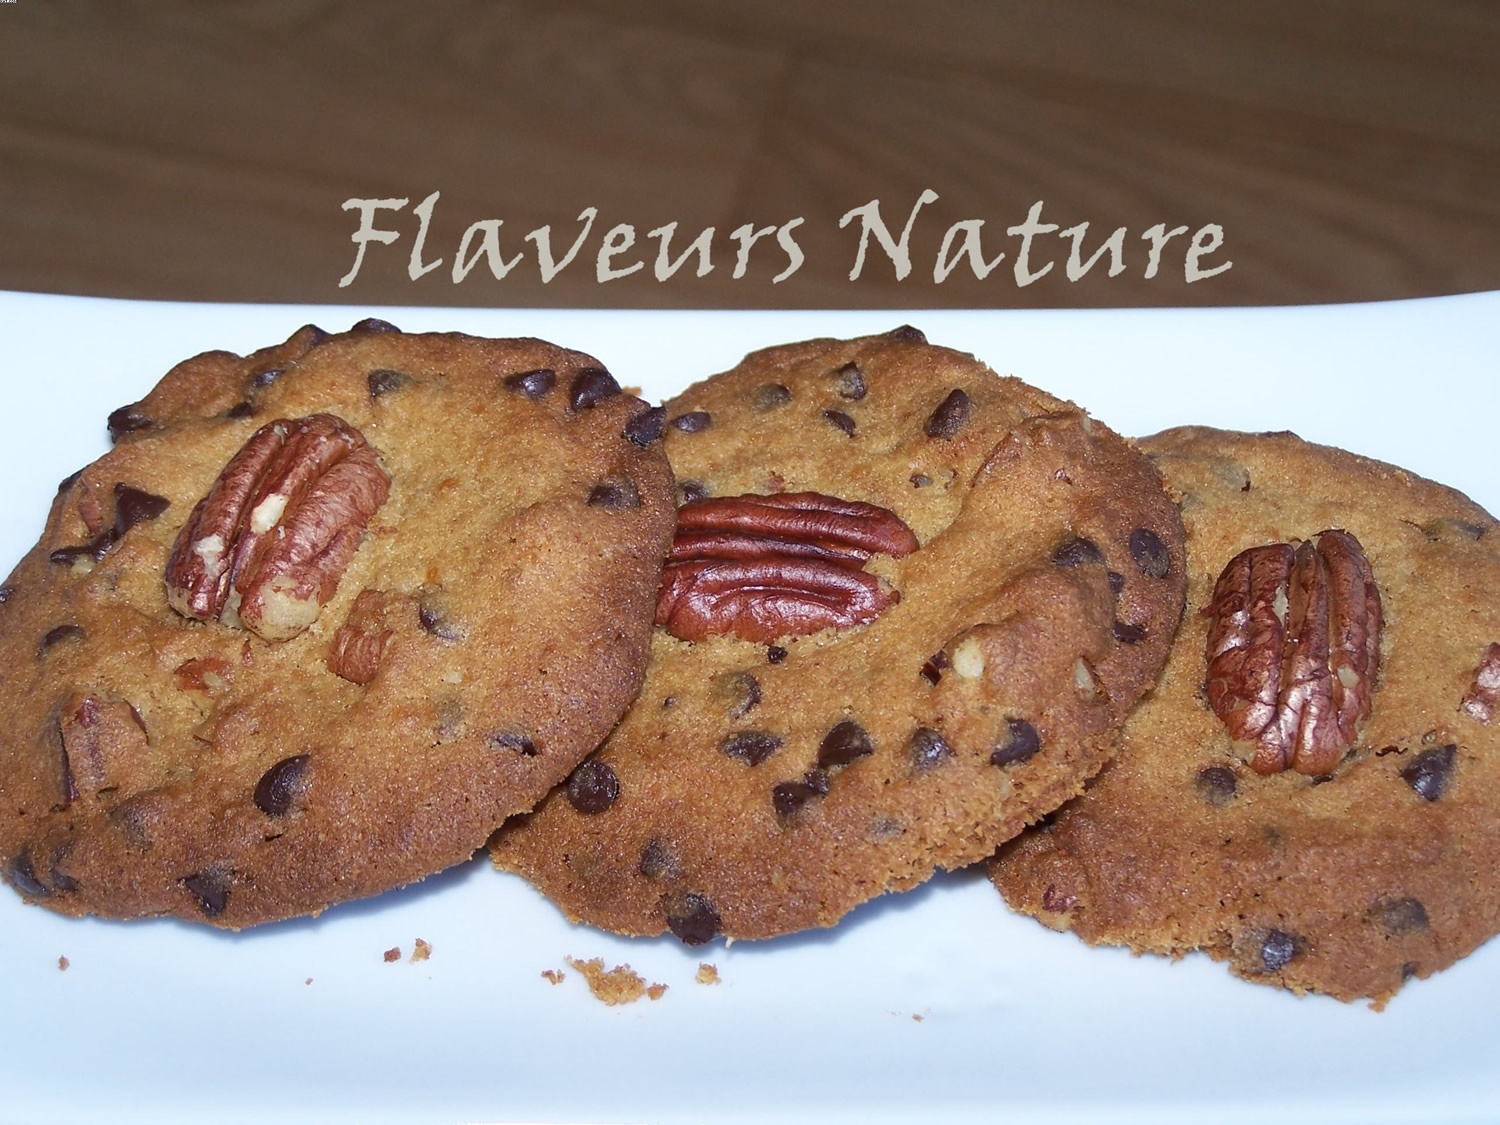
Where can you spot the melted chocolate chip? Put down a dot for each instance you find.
(373, 324)
(927, 748)
(775, 654)
(694, 421)
(658, 861)
(645, 427)
(906, 334)
(849, 382)
(843, 744)
(1128, 634)
(126, 420)
(511, 741)
(280, 786)
(436, 622)
(593, 787)
(242, 409)
(133, 506)
(383, 380)
(750, 746)
(590, 387)
(768, 396)
(265, 377)
(1022, 744)
(533, 384)
(1217, 785)
(932, 668)
(1150, 553)
(58, 636)
(23, 875)
(692, 918)
(691, 490)
(1277, 950)
(1399, 916)
(1428, 772)
(839, 420)
(211, 889)
(1075, 551)
(617, 493)
(1116, 582)
(790, 796)
(951, 415)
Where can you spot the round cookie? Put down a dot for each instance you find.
(1345, 881)
(769, 781)
(416, 592)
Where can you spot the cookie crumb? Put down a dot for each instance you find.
(422, 951)
(636, 391)
(620, 985)
(707, 974)
(554, 976)
(62, 964)
(917, 1016)
(308, 981)
(393, 954)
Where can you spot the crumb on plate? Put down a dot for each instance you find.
(707, 974)
(620, 985)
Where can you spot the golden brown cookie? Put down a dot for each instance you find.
(908, 604)
(321, 620)
(1267, 806)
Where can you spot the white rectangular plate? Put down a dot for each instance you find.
(933, 1006)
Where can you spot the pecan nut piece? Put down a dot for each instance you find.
(360, 642)
(1483, 697)
(1293, 651)
(784, 565)
(266, 548)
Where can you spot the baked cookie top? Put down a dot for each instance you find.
(908, 604)
(1367, 853)
(323, 618)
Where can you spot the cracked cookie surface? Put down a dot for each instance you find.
(916, 633)
(1345, 880)
(438, 656)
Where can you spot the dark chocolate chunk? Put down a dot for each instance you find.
(383, 380)
(5, 593)
(282, 785)
(907, 334)
(373, 324)
(768, 396)
(849, 382)
(951, 415)
(1217, 785)
(927, 748)
(839, 420)
(590, 387)
(1277, 950)
(1116, 582)
(616, 493)
(1429, 770)
(932, 668)
(692, 918)
(532, 384)
(133, 506)
(126, 420)
(1398, 916)
(511, 741)
(265, 377)
(1022, 744)
(23, 875)
(646, 427)
(1128, 634)
(1150, 553)
(843, 744)
(242, 409)
(1075, 551)
(775, 654)
(750, 746)
(1409, 969)
(61, 880)
(593, 787)
(658, 861)
(211, 889)
(691, 490)
(69, 481)
(694, 421)
(790, 796)
(58, 636)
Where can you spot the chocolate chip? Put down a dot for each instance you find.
(740, 692)
(920, 480)
(692, 918)
(646, 426)
(1075, 551)
(1022, 744)
(1150, 553)
(281, 785)
(951, 415)
(1277, 950)
(512, 742)
(533, 384)
(1217, 785)
(94, 549)
(58, 636)
(436, 622)
(750, 746)
(126, 420)
(69, 481)
(775, 654)
(790, 796)
(61, 880)
(658, 861)
(5, 593)
(839, 420)
(1128, 634)
(616, 493)
(133, 506)
(383, 380)
(768, 396)
(691, 490)
(1409, 969)
(932, 668)
(242, 409)
(906, 334)
(843, 744)
(849, 382)
(1428, 772)
(1399, 916)
(593, 787)
(590, 387)
(265, 377)
(1116, 582)
(694, 421)
(211, 889)
(927, 748)
(23, 875)
(373, 324)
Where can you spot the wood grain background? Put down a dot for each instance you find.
(1350, 149)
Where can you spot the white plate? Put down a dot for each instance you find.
(933, 1006)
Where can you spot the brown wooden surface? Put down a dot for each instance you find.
(1350, 150)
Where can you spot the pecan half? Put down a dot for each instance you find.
(1293, 650)
(266, 548)
(783, 565)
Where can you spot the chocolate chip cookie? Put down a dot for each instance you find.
(321, 620)
(1310, 793)
(907, 605)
